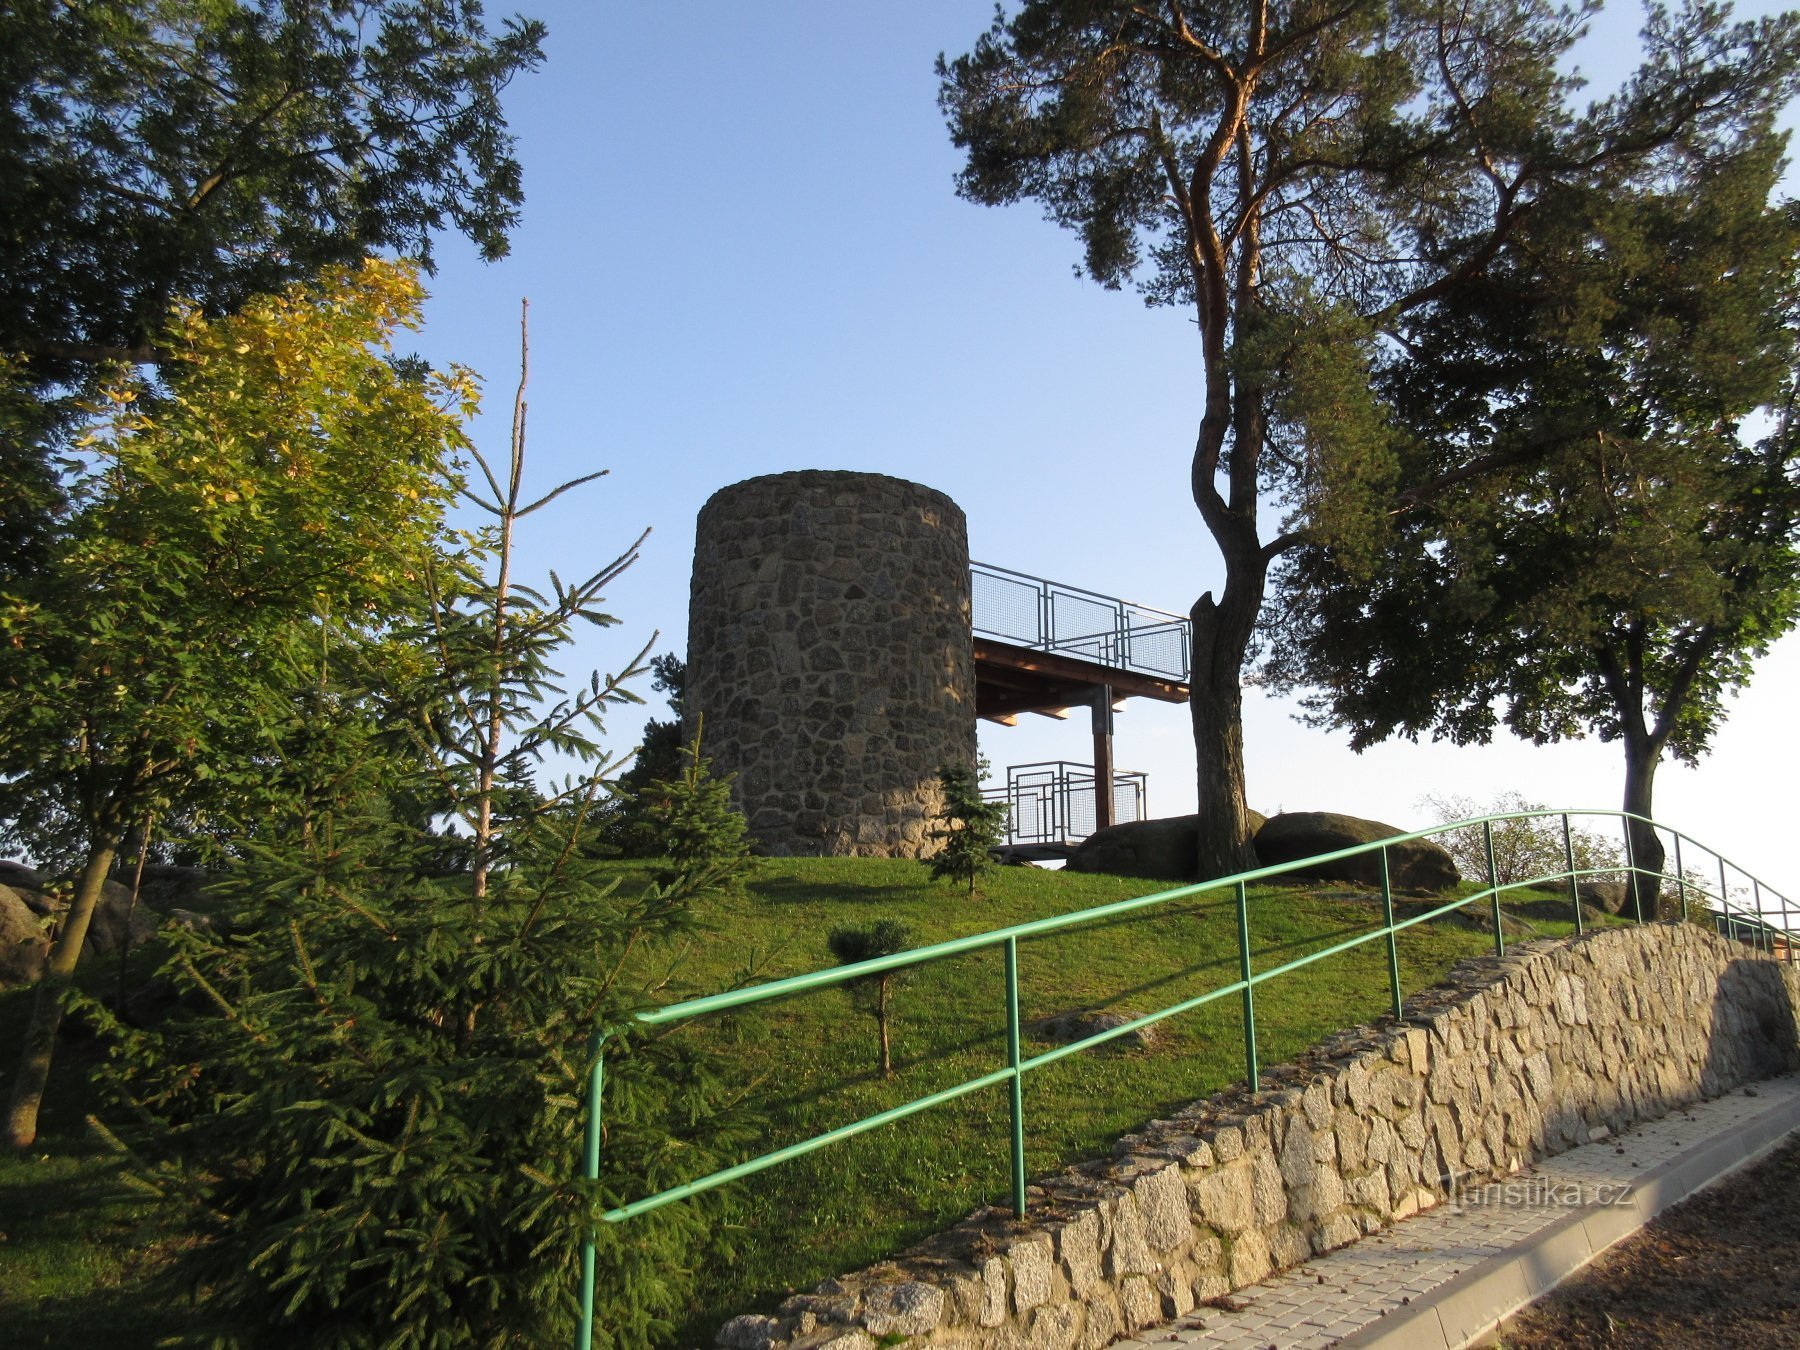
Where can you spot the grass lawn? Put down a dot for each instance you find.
(76, 1245)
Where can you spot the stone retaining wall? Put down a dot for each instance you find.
(1553, 1045)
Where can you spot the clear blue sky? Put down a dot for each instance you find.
(744, 255)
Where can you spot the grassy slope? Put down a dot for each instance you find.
(75, 1245)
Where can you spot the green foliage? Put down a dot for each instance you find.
(280, 473)
(871, 993)
(860, 1201)
(624, 829)
(1523, 849)
(165, 149)
(369, 1103)
(691, 825)
(1634, 541)
(968, 827)
(850, 945)
(1320, 188)
(370, 1113)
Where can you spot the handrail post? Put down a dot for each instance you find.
(1762, 928)
(1631, 872)
(584, 1336)
(1569, 863)
(1724, 903)
(1487, 835)
(1680, 878)
(1251, 1072)
(1387, 910)
(1013, 1058)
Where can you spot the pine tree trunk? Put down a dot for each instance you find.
(1221, 641)
(1647, 854)
(47, 1001)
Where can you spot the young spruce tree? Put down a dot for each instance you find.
(968, 825)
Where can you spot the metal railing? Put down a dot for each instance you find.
(1051, 617)
(1053, 802)
(1765, 924)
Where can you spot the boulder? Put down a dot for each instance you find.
(1611, 896)
(1417, 865)
(115, 920)
(1160, 850)
(168, 886)
(24, 947)
(1065, 1028)
(20, 877)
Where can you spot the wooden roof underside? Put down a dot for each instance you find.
(1010, 680)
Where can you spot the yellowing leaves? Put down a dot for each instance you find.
(283, 432)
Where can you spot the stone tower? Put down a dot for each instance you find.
(829, 654)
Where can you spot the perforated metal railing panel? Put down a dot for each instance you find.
(1050, 616)
(1007, 607)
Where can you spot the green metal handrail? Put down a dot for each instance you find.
(1764, 933)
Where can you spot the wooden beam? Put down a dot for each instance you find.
(1103, 757)
(1002, 662)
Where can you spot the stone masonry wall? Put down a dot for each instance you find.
(829, 653)
(1553, 1045)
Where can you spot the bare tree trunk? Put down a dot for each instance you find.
(47, 1002)
(881, 1019)
(1647, 853)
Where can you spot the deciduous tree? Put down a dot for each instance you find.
(156, 150)
(287, 471)
(1636, 367)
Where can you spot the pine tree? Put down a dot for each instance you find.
(872, 993)
(969, 826)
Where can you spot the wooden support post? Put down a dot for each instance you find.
(1103, 756)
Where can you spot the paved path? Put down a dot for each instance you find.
(1441, 1280)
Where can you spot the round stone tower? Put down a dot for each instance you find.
(829, 654)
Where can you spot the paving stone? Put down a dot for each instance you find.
(1412, 1260)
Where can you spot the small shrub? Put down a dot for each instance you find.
(871, 993)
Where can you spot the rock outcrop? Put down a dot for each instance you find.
(1157, 850)
(1417, 865)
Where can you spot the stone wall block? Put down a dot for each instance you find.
(1268, 1197)
(911, 1309)
(1335, 1231)
(1162, 1201)
(1297, 1156)
(1228, 1143)
(993, 1292)
(1104, 1324)
(1222, 1198)
(1032, 1265)
(1139, 1305)
(1128, 1250)
(1175, 1288)
(1249, 1258)
(1078, 1251)
(1055, 1328)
